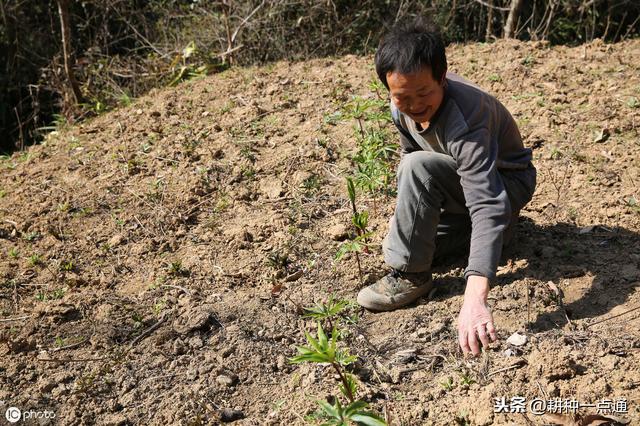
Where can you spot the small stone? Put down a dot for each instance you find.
(509, 353)
(198, 318)
(230, 415)
(517, 339)
(338, 232)
(227, 380)
(179, 347)
(437, 327)
(115, 241)
(271, 188)
(295, 276)
(196, 342)
(192, 374)
(281, 362)
(609, 362)
(422, 332)
(47, 386)
(225, 352)
(405, 356)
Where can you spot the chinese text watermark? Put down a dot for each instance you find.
(539, 406)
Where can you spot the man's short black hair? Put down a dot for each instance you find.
(410, 45)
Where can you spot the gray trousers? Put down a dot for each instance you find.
(431, 221)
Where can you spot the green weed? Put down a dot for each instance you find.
(374, 162)
(56, 294)
(326, 351)
(332, 310)
(67, 266)
(30, 236)
(311, 184)
(447, 384)
(34, 260)
(176, 269)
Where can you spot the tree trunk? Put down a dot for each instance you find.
(489, 33)
(63, 10)
(510, 26)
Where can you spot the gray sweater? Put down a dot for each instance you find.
(480, 134)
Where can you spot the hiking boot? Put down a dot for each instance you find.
(395, 290)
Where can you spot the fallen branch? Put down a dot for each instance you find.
(14, 318)
(517, 364)
(615, 316)
(70, 359)
(147, 332)
(71, 346)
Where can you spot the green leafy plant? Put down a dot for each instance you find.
(374, 163)
(176, 269)
(326, 351)
(465, 379)
(52, 295)
(633, 204)
(330, 310)
(447, 384)
(34, 260)
(183, 70)
(31, 236)
(67, 266)
(362, 109)
(360, 221)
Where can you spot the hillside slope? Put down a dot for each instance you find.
(153, 261)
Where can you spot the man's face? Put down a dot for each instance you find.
(418, 95)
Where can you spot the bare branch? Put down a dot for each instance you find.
(244, 21)
(490, 6)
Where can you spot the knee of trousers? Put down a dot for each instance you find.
(424, 165)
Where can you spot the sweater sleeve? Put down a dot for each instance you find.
(486, 199)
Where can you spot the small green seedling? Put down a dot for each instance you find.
(466, 380)
(176, 269)
(325, 350)
(67, 266)
(34, 260)
(447, 384)
(333, 309)
(360, 222)
(30, 236)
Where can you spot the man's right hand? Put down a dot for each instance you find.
(475, 322)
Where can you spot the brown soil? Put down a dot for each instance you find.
(136, 286)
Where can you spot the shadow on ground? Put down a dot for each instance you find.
(606, 260)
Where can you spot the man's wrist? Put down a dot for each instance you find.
(477, 286)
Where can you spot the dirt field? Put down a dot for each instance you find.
(154, 261)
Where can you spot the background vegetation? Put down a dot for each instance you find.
(121, 49)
